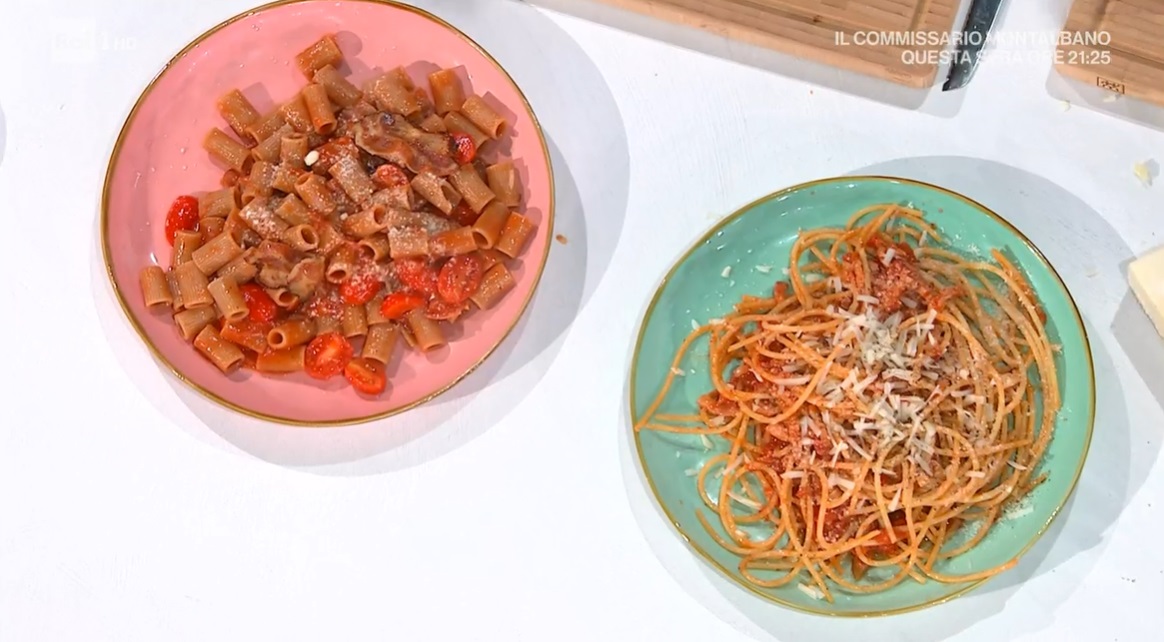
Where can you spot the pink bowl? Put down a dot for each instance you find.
(158, 156)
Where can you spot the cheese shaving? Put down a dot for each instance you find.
(1143, 173)
(811, 591)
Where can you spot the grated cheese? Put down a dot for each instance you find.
(1143, 173)
(1016, 513)
(811, 591)
(744, 501)
(678, 372)
(726, 272)
(311, 157)
(763, 269)
(706, 442)
(978, 474)
(837, 480)
(888, 258)
(893, 504)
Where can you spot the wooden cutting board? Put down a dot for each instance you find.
(1132, 60)
(828, 31)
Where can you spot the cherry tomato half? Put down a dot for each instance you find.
(463, 214)
(366, 376)
(464, 149)
(459, 278)
(438, 309)
(326, 302)
(327, 355)
(395, 305)
(416, 275)
(262, 307)
(360, 288)
(183, 215)
(389, 175)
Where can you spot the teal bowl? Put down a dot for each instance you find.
(699, 288)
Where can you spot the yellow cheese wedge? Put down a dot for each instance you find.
(1146, 276)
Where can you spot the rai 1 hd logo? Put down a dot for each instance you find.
(84, 42)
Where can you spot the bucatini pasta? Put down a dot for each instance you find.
(346, 214)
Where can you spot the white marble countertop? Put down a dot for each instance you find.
(512, 508)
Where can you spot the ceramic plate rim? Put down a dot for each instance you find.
(722, 223)
(106, 250)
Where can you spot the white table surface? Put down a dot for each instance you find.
(512, 508)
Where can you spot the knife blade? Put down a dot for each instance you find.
(979, 21)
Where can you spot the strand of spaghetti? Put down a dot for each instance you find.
(701, 479)
(729, 546)
(684, 418)
(971, 577)
(792, 574)
(670, 375)
(683, 430)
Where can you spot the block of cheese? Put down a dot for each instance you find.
(1146, 276)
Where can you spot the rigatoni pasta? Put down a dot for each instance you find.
(262, 128)
(281, 361)
(338, 89)
(155, 289)
(473, 190)
(228, 298)
(483, 116)
(447, 94)
(380, 342)
(514, 235)
(218, 203)
(457, 123)
(348, 216)
(226, 150)
(193, 286)
(488, 227)
(238, 112)
(503, 182)
(185, 242)
(191, 322)
(319, 108)
(223, 354)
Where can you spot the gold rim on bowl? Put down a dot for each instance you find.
(700, 552)
(106, 252)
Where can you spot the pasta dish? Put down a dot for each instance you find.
(347, 217)
(878, 410)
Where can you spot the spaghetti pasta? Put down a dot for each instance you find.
(877, 410)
